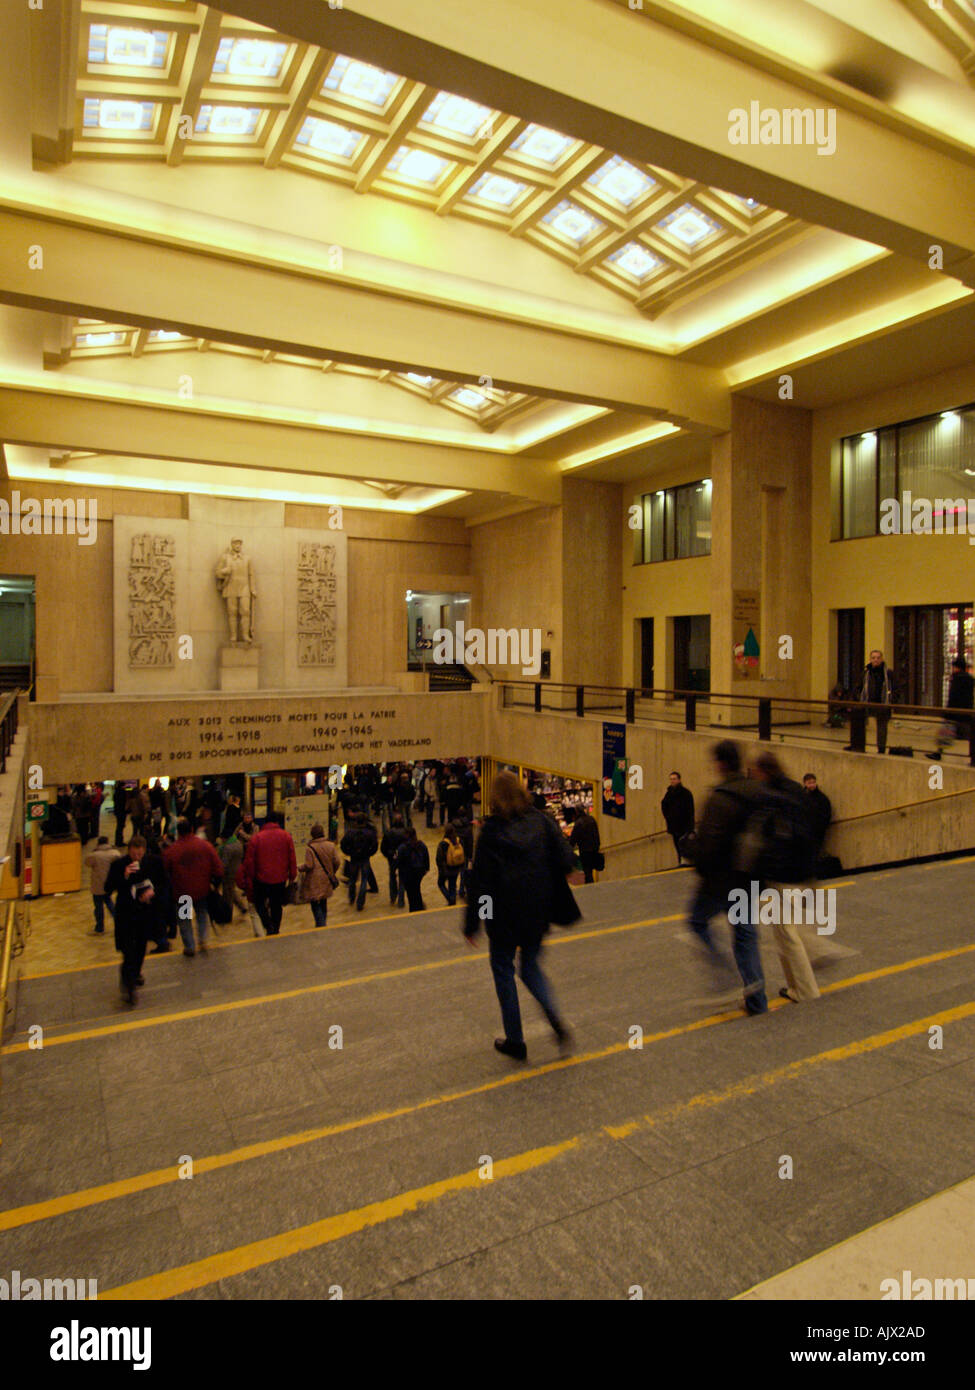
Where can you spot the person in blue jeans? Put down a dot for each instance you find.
(726, 813)
(512, 891)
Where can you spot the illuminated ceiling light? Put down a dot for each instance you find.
(164, 335)
(544, 145)
(330, 138)
(132, 48)
(419, 380)
(472, 399)
(228, 120)
(868, 438)
(417, 166)
(253, 57)
(572, 222)
(120, 115)
(688, 225)
(950, 416)
(621, 182)
(361, 81)
(494, 188)
(448, 112)
(635, 259)
(99, 339)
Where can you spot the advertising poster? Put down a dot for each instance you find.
(614, 770)
(745, 631)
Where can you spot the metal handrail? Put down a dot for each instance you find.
(12, 932)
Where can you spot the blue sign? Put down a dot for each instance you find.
(614, 770)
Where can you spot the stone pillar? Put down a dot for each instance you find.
(761, 550)
(592, 576)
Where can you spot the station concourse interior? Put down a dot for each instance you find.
(560, 393)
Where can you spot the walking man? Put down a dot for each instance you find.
(678, 811)
(270, 864)
(191, 864)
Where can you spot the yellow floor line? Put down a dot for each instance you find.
(239, 1260)
(129, 1025)
(124, 1187)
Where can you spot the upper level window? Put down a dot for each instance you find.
(676, 523)
(926, 467)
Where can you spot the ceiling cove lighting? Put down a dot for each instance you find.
(419, 380)
(541, 144)
(329, 138)
(361, 81)
(456, 114)
(620, 182)
(688, 225)
(99, 339)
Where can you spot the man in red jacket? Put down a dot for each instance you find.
(269, 866)
(191, 864)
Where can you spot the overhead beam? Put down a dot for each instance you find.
(146, 281)
(618, 78)
(195, 433)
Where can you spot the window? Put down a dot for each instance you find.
(932, 459)
(676, 523)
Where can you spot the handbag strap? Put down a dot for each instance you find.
(328, 873)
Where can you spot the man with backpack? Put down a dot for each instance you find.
(450, 860)
(726, 814)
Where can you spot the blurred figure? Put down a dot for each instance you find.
(269, 867)
(821, 807)
(136, 918)
(393, 840)
(520, 851)
(231, 855)
(450, 861)
(726, 814)
(678, 811)
(191, 864)
(961, 694)
(360, 843)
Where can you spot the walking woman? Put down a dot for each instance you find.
(320, 874)
(519, 859)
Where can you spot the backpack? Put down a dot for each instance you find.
(778, 843)
(455, 855)
(415, 857)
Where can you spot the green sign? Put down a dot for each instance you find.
(37, 810)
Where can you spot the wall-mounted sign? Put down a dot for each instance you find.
(745, 631)
(614, 770)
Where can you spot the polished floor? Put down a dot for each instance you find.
(322, 1114)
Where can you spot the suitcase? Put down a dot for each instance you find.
(900, 750)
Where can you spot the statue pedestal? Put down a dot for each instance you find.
(239, 667)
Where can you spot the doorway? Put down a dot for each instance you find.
(646, 653)
(16, 632)
(927, 638)
(425, 613)
(692, 652)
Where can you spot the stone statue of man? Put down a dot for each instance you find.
(236, 581)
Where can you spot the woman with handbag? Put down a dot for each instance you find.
(517, 886)
(319, 874)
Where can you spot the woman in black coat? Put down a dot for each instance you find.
(512, 887)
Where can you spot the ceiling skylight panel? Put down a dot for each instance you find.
(227, 120)
(542, 145)
(130, 48)
(360, 80)
(496, 190)
(688, 225)
(329, 138)
(99, 339)
(635, 260)
(572, 222)
(465, 396)
(249, 58)
(118, 115)
(417, 167)
(457, 114)
(620, 182)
